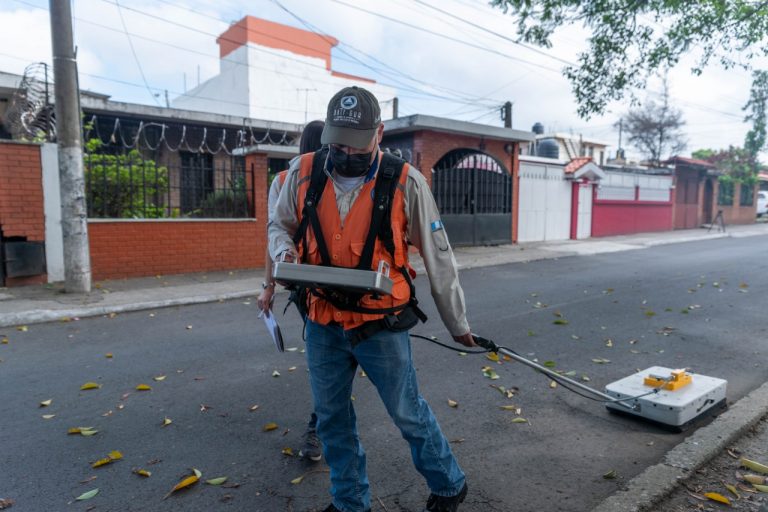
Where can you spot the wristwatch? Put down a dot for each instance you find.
(265, 285)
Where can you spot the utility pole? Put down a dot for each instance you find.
(395, 107)
(621, 128)
(507, 114)
(306, 102)
(74, 214)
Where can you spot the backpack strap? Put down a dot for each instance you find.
(309, 217)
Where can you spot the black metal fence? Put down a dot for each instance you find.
(127, 185)
(471, 183)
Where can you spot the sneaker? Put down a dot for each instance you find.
(437, 503)
(312, 449)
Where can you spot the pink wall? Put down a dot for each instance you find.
(627, 217)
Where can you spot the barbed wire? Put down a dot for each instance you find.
(123, 137)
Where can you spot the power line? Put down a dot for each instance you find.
(484, 29)
(444, 36)
(133, 51)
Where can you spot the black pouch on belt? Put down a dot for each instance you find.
(405, 320)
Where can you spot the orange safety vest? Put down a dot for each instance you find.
(345, 246)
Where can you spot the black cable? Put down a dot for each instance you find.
(434, 340)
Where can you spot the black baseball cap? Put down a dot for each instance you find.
(353, 118)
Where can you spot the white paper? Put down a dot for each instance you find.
(274, 330)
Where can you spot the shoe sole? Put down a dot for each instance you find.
(316, 458)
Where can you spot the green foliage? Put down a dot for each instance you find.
(703, 154)
(736, 163)
(725, 191)
(124, 186)
(631, 40)
(754, 141)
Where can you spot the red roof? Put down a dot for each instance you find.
(577, 163)
(689, 161)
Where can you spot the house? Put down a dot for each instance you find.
(273, 71)
(566, 146)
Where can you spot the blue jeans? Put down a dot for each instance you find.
(386, 359)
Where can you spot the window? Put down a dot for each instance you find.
(196, 180)
(725, 193)
(747, 197)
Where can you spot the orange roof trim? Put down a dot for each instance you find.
(576, 164)
(278, 36)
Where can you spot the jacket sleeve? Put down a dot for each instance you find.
(283, 219)
(426, 233)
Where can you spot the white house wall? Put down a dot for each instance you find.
(544, 203)
(273, 84)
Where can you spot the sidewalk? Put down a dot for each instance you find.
(36, 304)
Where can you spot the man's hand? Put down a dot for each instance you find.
(286, 256)
(265, 298)
(465, 339)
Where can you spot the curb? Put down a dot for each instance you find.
(656, 482)
(50, 315)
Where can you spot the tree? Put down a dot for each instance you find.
(631, 40)
(754, 142)
(656, 128)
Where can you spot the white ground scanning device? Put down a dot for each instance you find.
(682, 396)
(318, 276)
(671, 398)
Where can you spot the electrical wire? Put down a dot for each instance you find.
(133, 51)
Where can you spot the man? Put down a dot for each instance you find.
(326, 211)
(310, 142)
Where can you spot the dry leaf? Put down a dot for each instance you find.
(101, 462)
(714, 496)
(46, 403)
(489, 372)
(189, 327)
(216, 481)
(552, 384)
(733, 490)
(275, 373)
(560, 321)
(493, 356)
(609, 342)
(143, 387)
(4, 340)
(22, 328)
(287, 451)
(159, 378)
(754, 479)
(115, 455)
(87, 495)
(190, 480)
(269, 427)
(6, 503)
(167, 421)
(452, 403)
(89, 385)
(253, 408)
(519, 420)
(197, 472)
(754, 466)
(601, 360)
(48, 416)
(297, 480)
(292, 368)
(611, 475)
(142, 472)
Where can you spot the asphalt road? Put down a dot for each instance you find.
(218, 363)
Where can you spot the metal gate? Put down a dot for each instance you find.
(473, 191)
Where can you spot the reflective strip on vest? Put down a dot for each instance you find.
(345, 245)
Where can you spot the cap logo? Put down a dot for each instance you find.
(348, 102)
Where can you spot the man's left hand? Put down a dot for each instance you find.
(465, 339)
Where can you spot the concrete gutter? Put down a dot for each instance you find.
(648, 488)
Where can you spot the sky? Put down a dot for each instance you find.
(135, 50)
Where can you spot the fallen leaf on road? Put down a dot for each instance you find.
(512, 408)
(143, 387)
(531, 333)
(189, 327)
(87, 495)
(159, 378)
(113, 456)
(574, 337)
(550, 364)
(4, 340)
(553, 384)
(519, 420)
(46, 403)
(761, 488)
(754, 466)
(489, 373)
(611, 475)
(754, 479)
(585, 378)
(269, 427)
(732, 490)
(608, 342)
(22, 328)
(48, 416)
(297, 480)
(84, 431)
(216, 481)
(650, 313)
(292, 368)
(167, 421)
(89, 479)
(142, 472)
(287, 451)
(714, 496)
(560, 321)
(492, 356)
(600, 360)
(6, 503)
(275, 373)
(204, 407)
(452, 403)
(190, 480)
(89, 385)
(291, 349)
(253, 408)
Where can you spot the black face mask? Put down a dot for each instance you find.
(350, 166)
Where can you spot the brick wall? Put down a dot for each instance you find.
(121, 249)
(736, 214)
(21, 198)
